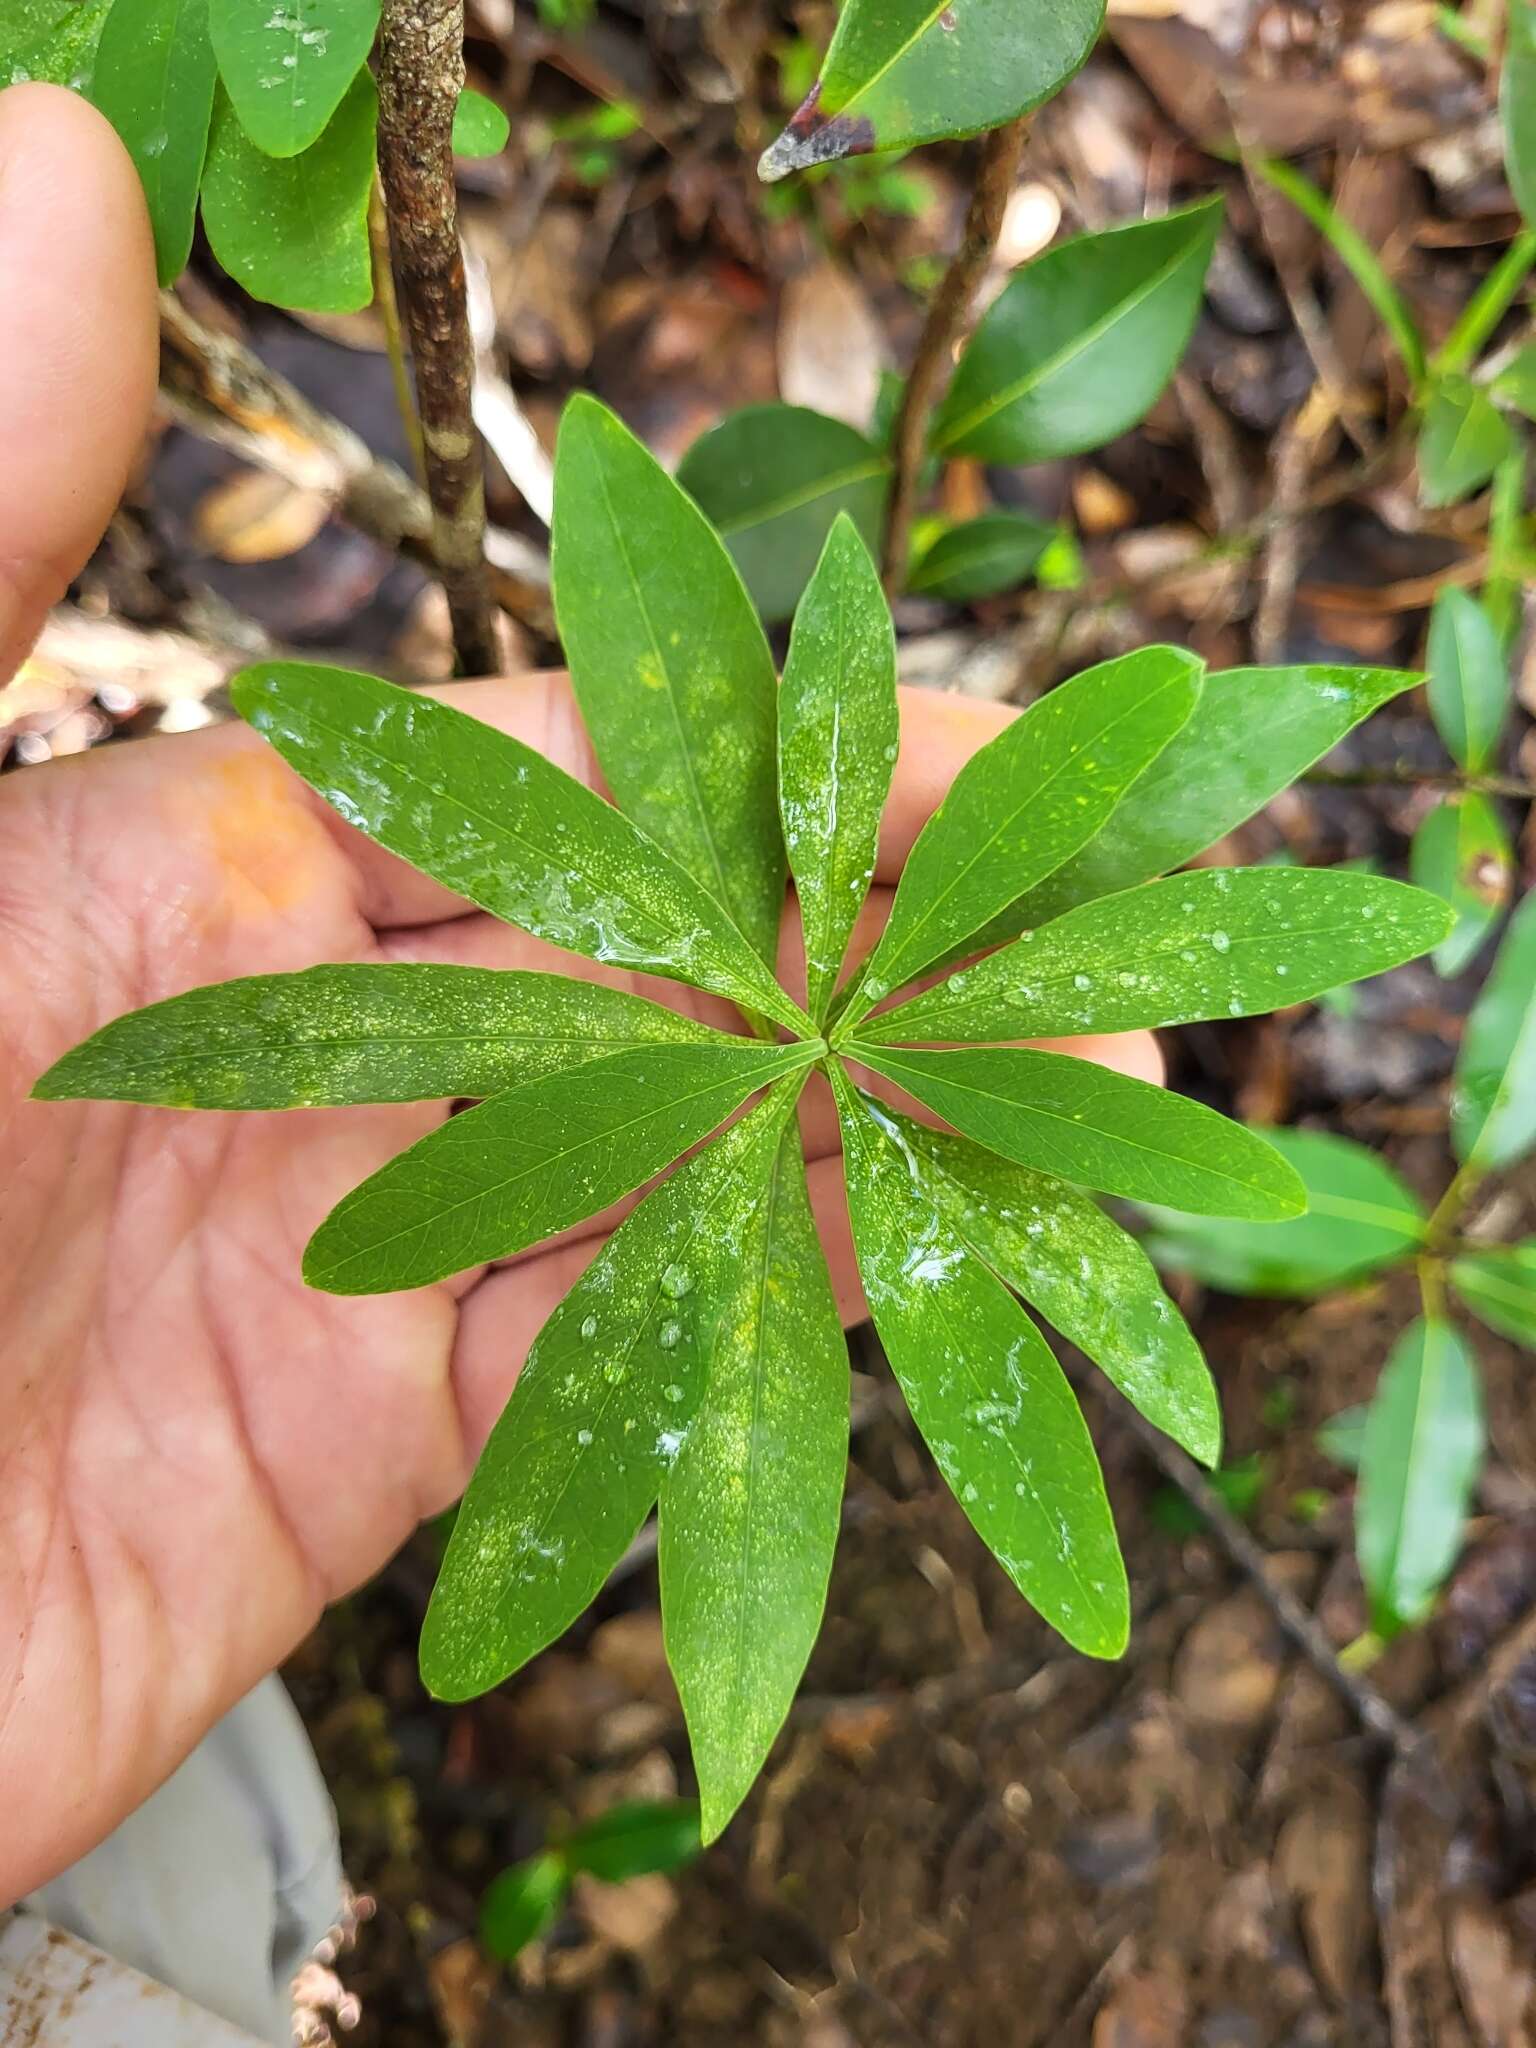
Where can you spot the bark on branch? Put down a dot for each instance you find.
(1000, 155)
(421, 74)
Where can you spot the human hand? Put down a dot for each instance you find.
(196, 1451)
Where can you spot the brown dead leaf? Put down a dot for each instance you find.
(257, 516)
(1322, 1860)
(1228, 1667)
(1149, 2009)
(831, 346)
(631, 1916)
(462, 1977)
(1494, 1982)
(630, 1648)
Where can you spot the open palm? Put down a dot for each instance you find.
(196, 1451)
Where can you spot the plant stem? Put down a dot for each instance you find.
(1000, 154)
(1489, 304)
(1400, 776)
(421, 73)
(388, 303)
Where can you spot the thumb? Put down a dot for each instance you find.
(78, 341)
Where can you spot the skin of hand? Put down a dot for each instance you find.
(197, 1452)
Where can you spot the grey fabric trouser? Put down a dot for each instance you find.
(220, 1885)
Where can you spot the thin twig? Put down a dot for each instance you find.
(995, 179)
(217, 388)
(1399, 775)
(1371, 1708)
(387, 300)
(421, 74)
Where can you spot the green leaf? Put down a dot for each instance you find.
(1252, 733)
(639, 1838)
(1026, 803)
(1499, 1286)
(521, 1904)
(1493, 1104)
(1516, 383)
(294, 231)
(992, 1403)
(1219, 942)
(903, 72)
(287, 64)
(1096, 1128)
(1468, 678)
(599, 1411)
(670, 666)
(838, 735)
(1087, 1277)
(982, 557)
(1463, 440)
(533, 1161)
(749, 1510)
(153, 78)
(51, 42)
(1419, 1461)
(1360, 1217)
(1517, 103)
(773, 479)
(495, 822)
(398, 1033)
(1081, 343)
(480, 128)
(1462, 853)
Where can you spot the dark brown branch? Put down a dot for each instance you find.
(421, 74)
(1398, 775)
(995, 180)
(216, 387)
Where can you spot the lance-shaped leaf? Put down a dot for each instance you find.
(991, 1401)
(1517, 102)
(773, 479)
(533, 1161)
(981, 557)
(1462, 442)
(1221, 942)
(1493, 1105)
(1468, 685)
(497, 823)
(153, 78)
(1462, 853)
(1026, 803)
(1499, 1286)
(838, 736)
(1360, 1217)
(522, 1902)
(286, 64)
(1087, 1277)
(903, 72)
(636, 1838)
(749, 1508)
(1252, 733)
(670, 666)
(1096, 1128)
(1419, 1461)
(51, 42)
(598, 1413)
(1081, 343)
(294, 230)
(408, 1032)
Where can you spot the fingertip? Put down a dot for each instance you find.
(78, 343)
(940, 731)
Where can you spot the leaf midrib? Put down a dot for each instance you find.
(610, 1135)
(795, 501)
(886, 961)
(1053, 1115)
(1010, 394)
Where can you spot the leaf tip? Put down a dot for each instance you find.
(813, 137)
